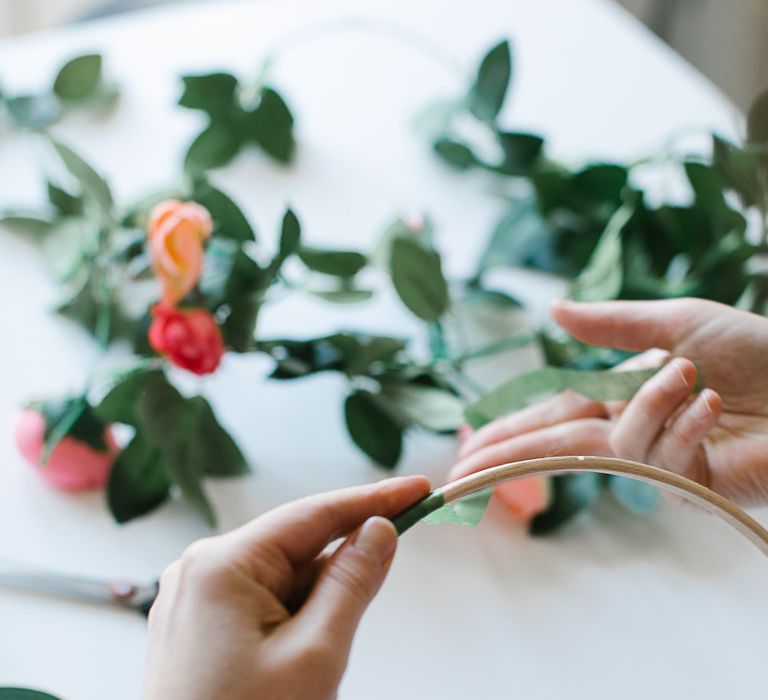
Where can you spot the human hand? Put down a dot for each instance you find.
(262, 612)
(718, 437)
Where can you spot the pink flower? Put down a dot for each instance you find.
(524, 499)
(72, 465)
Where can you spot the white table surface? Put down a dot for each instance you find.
(669, 606)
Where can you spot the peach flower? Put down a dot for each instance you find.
(177, 234)
(72, 465)
(524, 499)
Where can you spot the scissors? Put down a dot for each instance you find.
(118, 592)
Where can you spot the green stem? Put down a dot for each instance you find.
(437, 342)
(462, 377)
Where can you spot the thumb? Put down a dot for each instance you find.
(627, 325)
(350, 581)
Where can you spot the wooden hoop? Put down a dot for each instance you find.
(713, 503)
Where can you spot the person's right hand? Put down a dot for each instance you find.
(718, 437)
(264, 611)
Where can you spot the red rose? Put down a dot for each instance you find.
(190, 339)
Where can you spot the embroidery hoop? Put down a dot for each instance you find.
(701, 496)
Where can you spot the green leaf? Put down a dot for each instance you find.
(229, 221)
(290, 237)
(162, 412)
(25, 694)
(239, 327)
(418, 278)
(93, 185)
(184, 470)
(430, 407)
(491, 298)
(213, 93)
(339, 263)
(369, 351)
(520, 237)
(120, 403)
(739, 168)
(603, 276)
(518, 391)
(213, 147)
(351, 353)
(486, 96)
(373, 429)
(342, 296)
(137, 482)
(70, 243)
(217, 453)
(170, 422)
(244, 297)
(71, 418)
(32, 225)
(455, 153)
(571, 493)
(635, 495)
(600, 185)
(66, 204)
(79, 78)
(467, 511)
(757, 119)
(521, 151)
(34, 111)
(271, 126)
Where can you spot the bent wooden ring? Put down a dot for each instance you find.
(699, 495)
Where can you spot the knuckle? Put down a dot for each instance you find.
(202, 560)
(169, 575)
(683, 432)
(623, 446)
(350, 572)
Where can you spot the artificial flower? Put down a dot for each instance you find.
(189, 338)
(73, 465)
(177, 233)
(524, 499)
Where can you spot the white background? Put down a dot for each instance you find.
(667, 607)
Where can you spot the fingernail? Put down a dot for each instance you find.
(377, 539)
(678, 366)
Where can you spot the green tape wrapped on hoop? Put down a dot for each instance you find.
(418, 511)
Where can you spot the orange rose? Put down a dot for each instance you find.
(177, 233)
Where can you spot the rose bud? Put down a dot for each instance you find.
(524, 499)
(80, 461)
(190, 339)
(177, 233)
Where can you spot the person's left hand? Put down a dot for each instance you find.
(262, 612)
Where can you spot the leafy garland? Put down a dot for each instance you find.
(593, 225)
